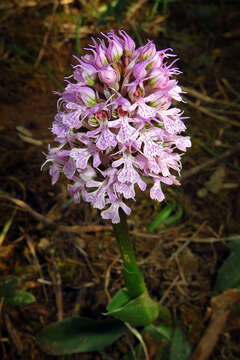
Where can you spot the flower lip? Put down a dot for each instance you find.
(101, 115)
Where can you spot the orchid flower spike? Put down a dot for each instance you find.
(116, 125)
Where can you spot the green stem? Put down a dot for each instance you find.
(133, 277)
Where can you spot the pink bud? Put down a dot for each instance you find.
(159, 79)
(87, 95)
(99, 54)
(108, 75)
(88, 73)
(139, 70)
(100, 59)
(156, 60)
(128, 43)
(115, 50)
(148, 50)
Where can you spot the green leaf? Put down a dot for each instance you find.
(79, 334)
(20, 297)
(160, 217)
(229, 273)
(9, 286)
(160, 332)
(13, 296)
(78, 42)
(234, 242)
(164, 313)
(140, 311)
(119, 9)
(180, 348)
(115, 8)
(174, 218)
(120, 299)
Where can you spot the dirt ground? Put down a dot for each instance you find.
(64, 253)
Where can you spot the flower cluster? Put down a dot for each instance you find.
(115, 125)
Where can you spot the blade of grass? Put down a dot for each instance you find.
(214, 154)
(78, 42)
(7, 227)
(160, 217)
(45, 68)
(174, 218)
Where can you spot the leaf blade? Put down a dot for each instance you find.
(79, 334)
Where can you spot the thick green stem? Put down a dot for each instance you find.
(133, 278)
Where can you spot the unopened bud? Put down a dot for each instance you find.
(108, 75)
(128, 43)
(88, 96)
(115, 50)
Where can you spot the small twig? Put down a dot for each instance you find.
(13, 334)
(208, 163)
(134, 8)
(107, 277)
(167, 292)
(45, 220)
(46, 36)
(25, 207)
(82, 229)
(36, 262)
(208, 99)
(221, 308)
(85, 255)
(222, 90)
(79, 300)
(57, 282)
(212, 114)
(226, 83)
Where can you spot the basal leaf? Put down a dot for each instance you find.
(79, 334)
(13, 296)
(140, 311)
(161, 332)
(179, 348)
(229, 273)
(8, 286)
(20, 297)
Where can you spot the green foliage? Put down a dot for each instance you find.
(164, 218)
(79, 334)
(13, 296)
(121, 298)
(78, 43)
(229, 273)
(161, 332)
(114, 8)
(179, 347)
(140, 311)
